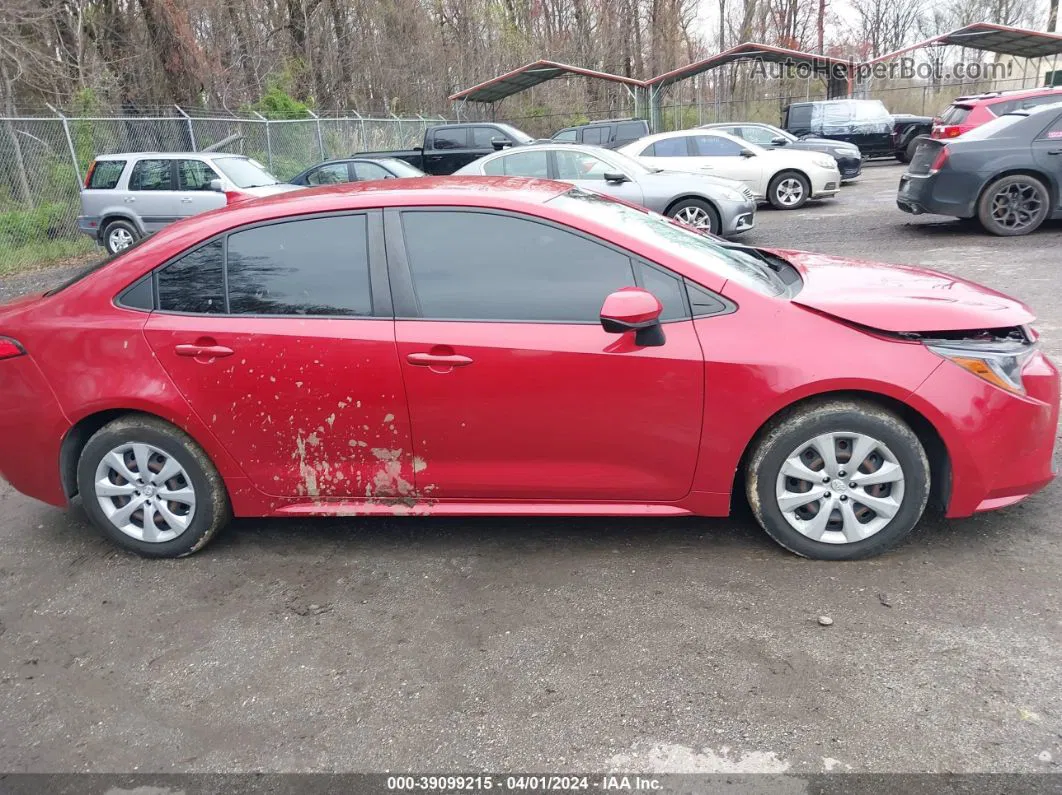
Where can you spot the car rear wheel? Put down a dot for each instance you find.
(119, 235)
(906, 155)
(697, 213)
(151, 489)
(1014, 205)
(839, 480)
(789, 190)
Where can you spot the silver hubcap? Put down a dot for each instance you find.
(789, 191)
(145, 492)
(120, 239)
(840, 488)
(696, 217)
(1016, 206)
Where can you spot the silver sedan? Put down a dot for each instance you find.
(717, 205)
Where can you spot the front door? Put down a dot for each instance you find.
(588, 171)
(295, 369)
(153, 193)
(722, 157)
(193, 180)
(515, 391)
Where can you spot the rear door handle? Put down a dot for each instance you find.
(438, 360)
(201, 351)
(130, 199)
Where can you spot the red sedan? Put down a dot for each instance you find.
(464, 346)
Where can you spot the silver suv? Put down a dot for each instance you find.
(127, 196)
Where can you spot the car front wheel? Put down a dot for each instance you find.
(1014, 205)
(789, 190)
(838, 480)
(696, 213)
(150, 488)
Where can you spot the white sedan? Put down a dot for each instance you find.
(785, 178)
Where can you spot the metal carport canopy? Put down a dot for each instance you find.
(1017, 42)
(531, 75)
(749, 51)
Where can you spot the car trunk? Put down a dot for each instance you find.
(924, 156)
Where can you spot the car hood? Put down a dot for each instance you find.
(271, 190)
(824, 143)
(900, 298)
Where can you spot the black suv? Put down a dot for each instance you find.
(609, 133)
(863, 122)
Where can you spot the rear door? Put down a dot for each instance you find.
(193, 181)
(1047, 149)
(515, 390)
(281, 338)
(153, 193)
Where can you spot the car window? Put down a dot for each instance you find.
(630, 131)
(667, 288)
(798, 117)
(595, 135)
(957, 114)
(481, 266)
(484, 137)
(580, 165)
(1053, 131)
(519, 164)
(195, 283)
(450, 139)
(106, 174)
(369, 171)
(332, 174)
(312, 266)
(195, 175)
(668, 147)
(1043, 99)
(714, 146)
(757, 135)
(151, 175)
(567, 135)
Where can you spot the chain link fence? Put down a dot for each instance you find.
(44, 159)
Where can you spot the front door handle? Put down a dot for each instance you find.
(438, 360)
(203, 351)
(186, 200)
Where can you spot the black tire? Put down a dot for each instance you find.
(212, 510)
(777, 181)
(1028, 188)
(118, 230)
(715, 226)
(798, 427)
(906, 155)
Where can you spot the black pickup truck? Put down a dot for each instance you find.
(448, 147)
(863, 122)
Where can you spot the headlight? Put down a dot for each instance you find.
(733, 195)
(825, 162)
(999, 362)
(845, 152)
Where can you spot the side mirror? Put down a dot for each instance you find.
(747, 153)
(617, 177)
(500, 143)
(779, 141)
(633, 309)
(217, 186)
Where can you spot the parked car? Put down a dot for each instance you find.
(128, 196)
(519, 347)
(1006, 173)
(848, 157)
(967, 113)
(711, 204)
(448, 147)
(355, 169)
(609, 133)
(786, 178)
(865, 123)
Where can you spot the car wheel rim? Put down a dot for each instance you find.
(120, 239)
(1017, 206)
(696, 217)
(145, 492)
(789, 191)
(840, 488)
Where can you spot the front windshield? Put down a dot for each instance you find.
(658, 231)
(244, 172)
(517, 135)
(400, 168)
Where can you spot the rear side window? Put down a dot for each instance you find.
(314, 266)
(481, 266)
(106, 174)
(450, 139)
(957, 114)
(195, 283)
(152, 175)
(1053, 132)
(798, 117)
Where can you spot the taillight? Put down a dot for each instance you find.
(9, 348)
(88, 176)
(951, 131)
(939, 160)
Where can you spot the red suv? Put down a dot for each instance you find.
(966, 113)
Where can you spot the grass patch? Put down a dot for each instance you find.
(46, 254)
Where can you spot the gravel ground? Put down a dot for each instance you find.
(554, 644)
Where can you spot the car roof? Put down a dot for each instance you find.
(649, 139)
(169, 155)
(991, 97)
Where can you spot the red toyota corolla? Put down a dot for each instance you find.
(504, 346)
